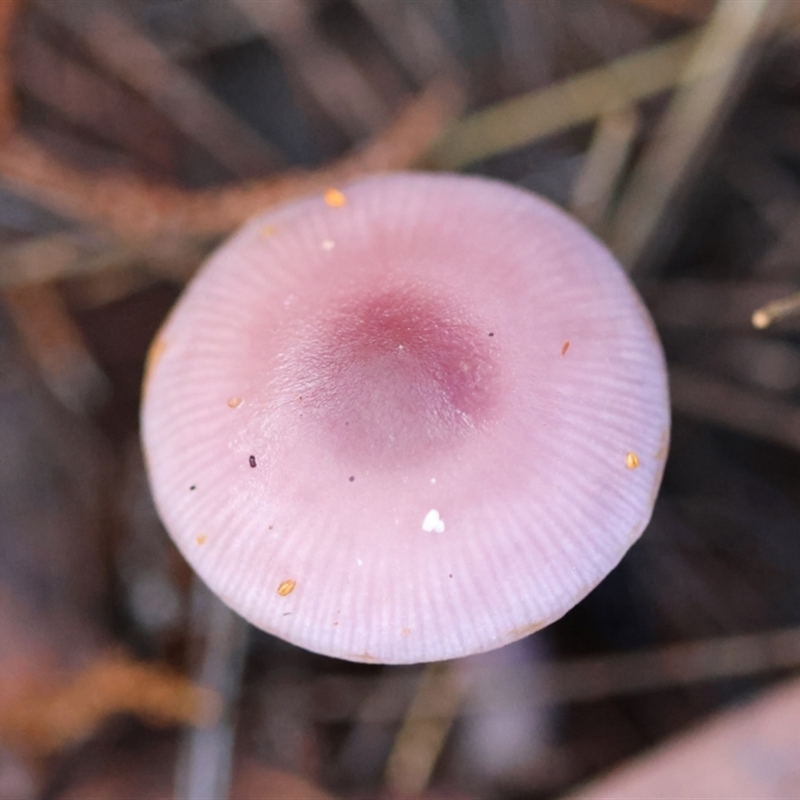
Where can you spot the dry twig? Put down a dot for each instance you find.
(138, 210)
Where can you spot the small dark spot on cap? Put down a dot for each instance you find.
(271, 527)
(252, 460)
(352, 478)
(451, 575)
(192, 487)
(491, 333)
(287, 613)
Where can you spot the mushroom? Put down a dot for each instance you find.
(414, 418)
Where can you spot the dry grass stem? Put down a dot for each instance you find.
(327, 73)
(726, 404)
(712, 305)
(708, 85)
(776, 310)
(133, 58)
(605, 162)
(406, 31)
(94, 102)
(55, 256)
(587, 679)
(574, 101)
(55, 344)
(424, 731)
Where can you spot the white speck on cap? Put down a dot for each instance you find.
(433, 522)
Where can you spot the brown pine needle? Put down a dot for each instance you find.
(44, 719)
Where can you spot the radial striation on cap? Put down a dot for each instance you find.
(416, 423)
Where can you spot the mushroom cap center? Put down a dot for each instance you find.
(393, 375)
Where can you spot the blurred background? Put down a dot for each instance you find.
(134, 136)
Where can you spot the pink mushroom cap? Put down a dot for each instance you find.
(414, 418)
